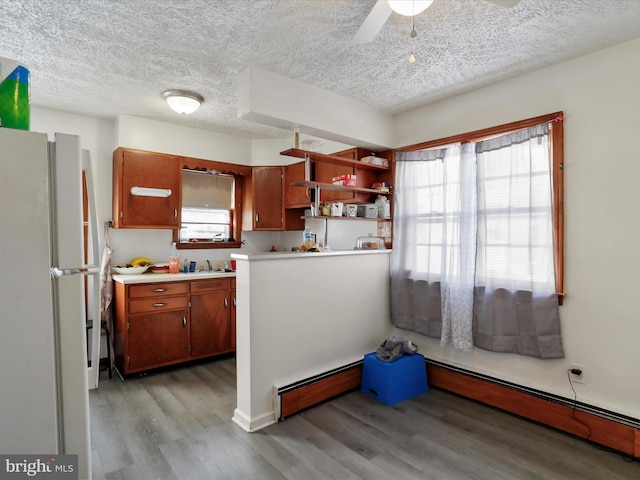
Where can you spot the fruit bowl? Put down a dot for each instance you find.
(129, 270)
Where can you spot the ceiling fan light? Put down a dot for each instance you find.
(183, 102)
(409, 8)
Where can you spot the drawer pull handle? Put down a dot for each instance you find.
(159, 304)
(226, 303)
(184, 321)
(159, 290)
(234, 302)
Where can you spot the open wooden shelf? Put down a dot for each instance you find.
(340, 188)
(326, 217)
(314, 156)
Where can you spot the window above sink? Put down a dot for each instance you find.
(210, 205)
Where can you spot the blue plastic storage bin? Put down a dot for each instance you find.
(393, 382)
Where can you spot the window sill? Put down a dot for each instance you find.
(207, 245)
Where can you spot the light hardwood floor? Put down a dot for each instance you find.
(177, 425)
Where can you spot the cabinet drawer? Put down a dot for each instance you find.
(153, 305)
(158, 289)
(210, 284)
(233, 283)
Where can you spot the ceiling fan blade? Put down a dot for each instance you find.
(373, 23)
(504, 3)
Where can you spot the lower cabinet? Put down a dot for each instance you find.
(233, 314)
(157, 339)
(165, 323)
(210, 317)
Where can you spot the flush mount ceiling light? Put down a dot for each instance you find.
(409, 8)
(183, 101)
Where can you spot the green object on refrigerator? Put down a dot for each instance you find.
(14, 99)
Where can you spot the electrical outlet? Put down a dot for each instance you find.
(578, 378)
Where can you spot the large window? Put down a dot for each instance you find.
(477, 239)
(501, 194)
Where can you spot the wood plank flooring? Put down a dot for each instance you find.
(176, 425)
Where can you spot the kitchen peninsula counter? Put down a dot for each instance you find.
(285, 255)
(300, 315)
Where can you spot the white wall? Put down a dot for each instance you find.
(302, 316)
(600, 318)
(96, 135)
(154, 136)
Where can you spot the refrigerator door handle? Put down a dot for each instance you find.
(56, 272)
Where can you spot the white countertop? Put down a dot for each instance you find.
(148, 277)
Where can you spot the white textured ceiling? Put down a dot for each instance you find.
(110, 57)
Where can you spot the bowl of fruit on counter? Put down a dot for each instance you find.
(136, 266)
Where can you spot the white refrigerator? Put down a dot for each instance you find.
(44, 401)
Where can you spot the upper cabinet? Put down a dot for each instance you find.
(264, 200)
(295, 197)
(268, 194)
(146, 189)
(200, 200)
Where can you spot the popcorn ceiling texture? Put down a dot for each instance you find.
(110, 57)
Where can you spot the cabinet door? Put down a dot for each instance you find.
(157, 339)
(210, 323)
(233, 319)
(150, 170)
(295, 197)
(268, 194)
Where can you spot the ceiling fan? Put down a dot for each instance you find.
(383, 9)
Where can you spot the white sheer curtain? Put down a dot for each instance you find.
(435, 212)
(458, 246)
(473, 258)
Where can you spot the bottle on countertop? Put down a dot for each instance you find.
(174, 259)
(307, 236)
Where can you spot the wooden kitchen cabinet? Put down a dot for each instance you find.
(210, 317)
(166, 323)
(157, 339)
(136, 168)
(295, 197)
(324, 167)
(151, 325)
(347, 161)
(263, 207)
(233, 313)
(263, 202)
(325, 171)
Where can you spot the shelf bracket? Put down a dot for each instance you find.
(316, 199)
(307, 167)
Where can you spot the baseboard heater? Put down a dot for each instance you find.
(302, 394)
(610, 429)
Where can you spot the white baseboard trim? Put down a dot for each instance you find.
(249, 424)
